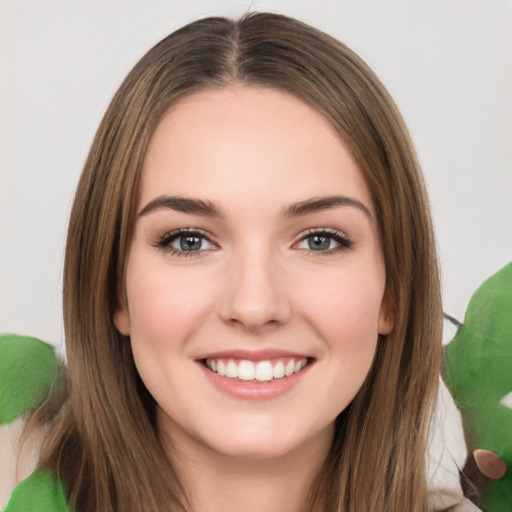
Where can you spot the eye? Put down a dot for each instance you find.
(325, 240)
(185, 242)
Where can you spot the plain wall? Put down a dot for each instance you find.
(448, 64)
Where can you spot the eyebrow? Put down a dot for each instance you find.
(318, 204)
(209, 209)
(182, 204)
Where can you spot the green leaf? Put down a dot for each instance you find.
(40, 492)
(28, 368)
(478, 372)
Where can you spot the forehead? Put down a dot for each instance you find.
(242, 140)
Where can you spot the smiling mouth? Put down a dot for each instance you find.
(256, 371)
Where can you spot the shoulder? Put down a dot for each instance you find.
(28, 369)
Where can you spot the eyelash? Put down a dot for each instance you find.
(164, 243)
(345, 243)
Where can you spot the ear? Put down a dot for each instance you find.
(386, 321)
(122, 318)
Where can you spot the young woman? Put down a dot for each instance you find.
(251, 293)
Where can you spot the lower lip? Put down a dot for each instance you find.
(255, 390)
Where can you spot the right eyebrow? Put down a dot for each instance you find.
(182, 204)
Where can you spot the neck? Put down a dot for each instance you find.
(216, 482)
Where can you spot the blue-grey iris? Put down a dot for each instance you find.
(190, 243)
(319, 242)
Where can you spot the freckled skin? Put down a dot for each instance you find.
(256, 285)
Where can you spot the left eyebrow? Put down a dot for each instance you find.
(318, 204)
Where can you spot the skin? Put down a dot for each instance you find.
(254, 284)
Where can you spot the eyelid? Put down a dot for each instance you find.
(163, 242)
(345, 243)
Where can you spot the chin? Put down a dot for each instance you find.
(257, 442)
(256, 449)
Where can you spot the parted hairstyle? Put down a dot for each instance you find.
(101, 436)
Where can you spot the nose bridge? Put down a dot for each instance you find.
(255, 291)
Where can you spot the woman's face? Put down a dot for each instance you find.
(255, 279)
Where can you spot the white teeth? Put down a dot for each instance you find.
(279, 370)
(246, 370)
(221, 368)
(263, 371)
(232, 369)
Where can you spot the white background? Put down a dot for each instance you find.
(448, 64)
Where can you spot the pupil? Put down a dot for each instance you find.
(190, 243)
(318, 243)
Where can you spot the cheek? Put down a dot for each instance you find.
(346, 318)
(167, 306)
(346, 306)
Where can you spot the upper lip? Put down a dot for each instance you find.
(252, 355)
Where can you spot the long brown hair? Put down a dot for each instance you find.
(102, 441)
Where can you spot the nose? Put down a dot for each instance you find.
(255, 296)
